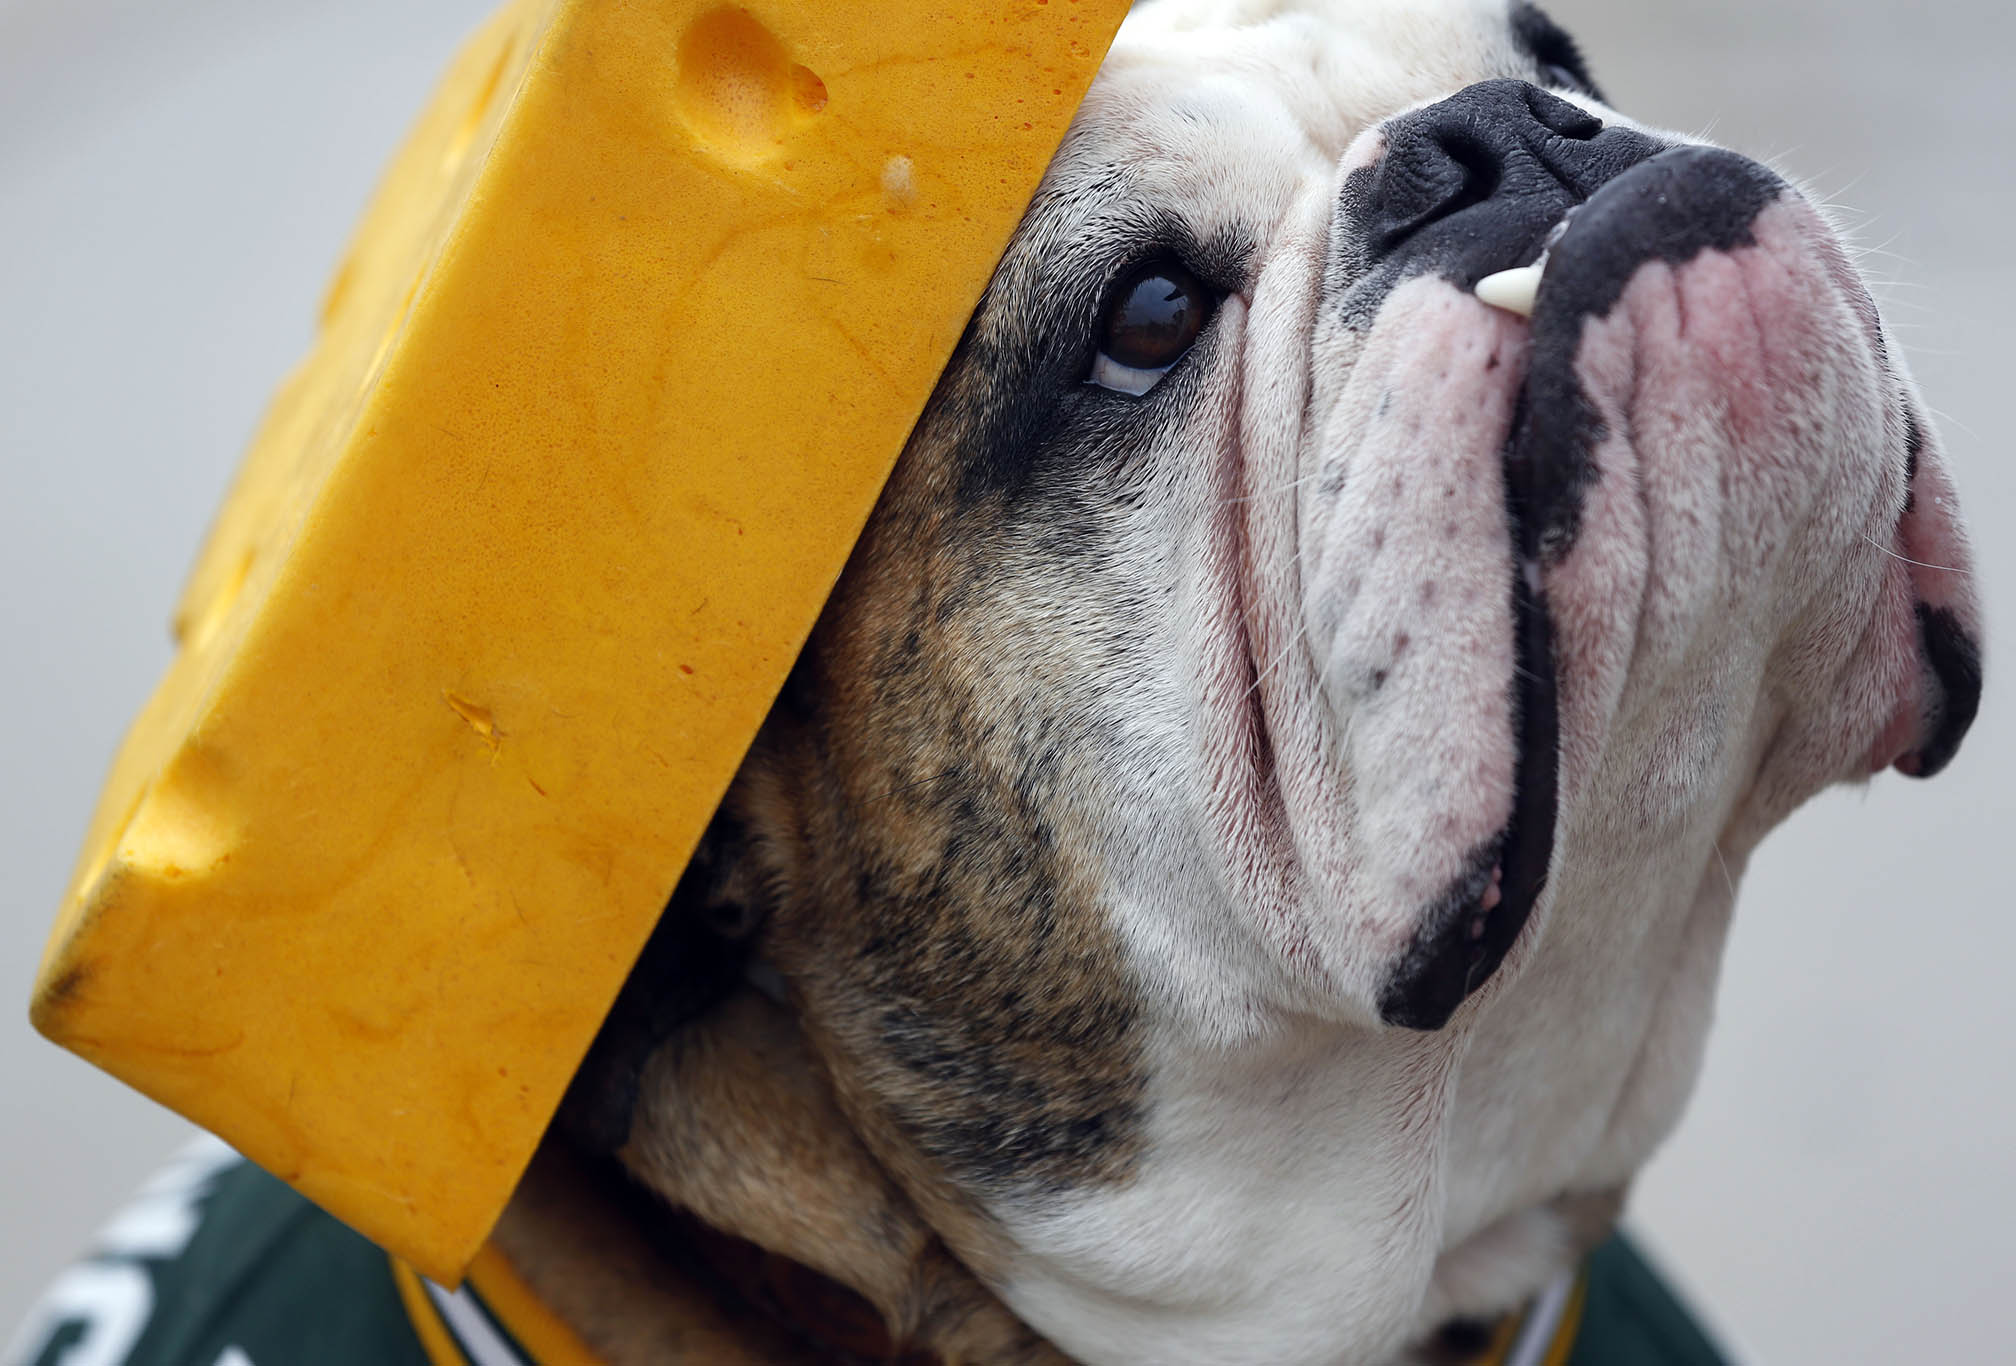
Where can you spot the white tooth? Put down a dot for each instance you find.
(1512, 290)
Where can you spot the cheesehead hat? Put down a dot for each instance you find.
(618, 361)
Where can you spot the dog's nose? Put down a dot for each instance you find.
(1473, 185)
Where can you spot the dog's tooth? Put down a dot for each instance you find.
(1512, 290)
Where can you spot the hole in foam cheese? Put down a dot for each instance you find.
(519, 559)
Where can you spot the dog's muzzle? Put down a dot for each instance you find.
(1488, 181)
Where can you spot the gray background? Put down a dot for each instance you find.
(177, 179)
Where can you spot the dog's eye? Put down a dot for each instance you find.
(1153, 316)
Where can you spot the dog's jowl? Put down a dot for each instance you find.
(1240, 871)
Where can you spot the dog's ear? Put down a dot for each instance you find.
(696, 957)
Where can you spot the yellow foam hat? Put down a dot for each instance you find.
(608, 384)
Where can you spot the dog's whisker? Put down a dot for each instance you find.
(1269, 493)
(1301, 638)
(1946, 419)
(1883, 248)
(1942, 568)
(1728, 878)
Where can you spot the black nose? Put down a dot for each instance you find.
(1474, 184)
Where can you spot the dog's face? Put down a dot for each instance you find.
(1252, 837)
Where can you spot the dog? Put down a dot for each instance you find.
(1239, 872)
(1245, 855)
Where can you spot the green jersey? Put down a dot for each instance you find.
(218, 1264)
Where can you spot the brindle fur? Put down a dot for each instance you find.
(927, 908)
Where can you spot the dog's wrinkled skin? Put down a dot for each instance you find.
(1147, 775)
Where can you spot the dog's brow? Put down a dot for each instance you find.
(1548, 44)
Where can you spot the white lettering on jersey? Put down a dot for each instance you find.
(111, 1297)
(109, 1300)
(163, 1218)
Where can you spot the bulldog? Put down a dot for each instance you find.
(1239, 872)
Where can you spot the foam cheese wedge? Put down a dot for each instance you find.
(620, 358)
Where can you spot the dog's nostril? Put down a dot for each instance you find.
(1557, 115)
(1454, 171)
(1529, 155)
(1482, 171)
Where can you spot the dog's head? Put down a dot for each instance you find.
(1250, 841)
